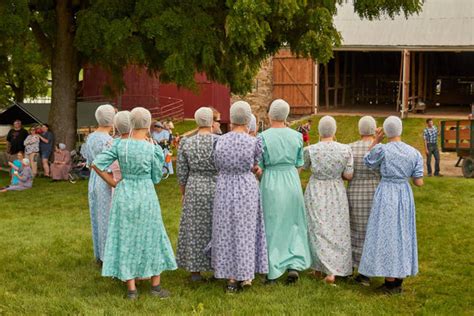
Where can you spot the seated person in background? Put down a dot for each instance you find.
(62, 163)
(16, 165)
(25, 178)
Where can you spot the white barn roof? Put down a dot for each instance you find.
(442, 25)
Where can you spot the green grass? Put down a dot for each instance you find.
(184, 126)
(46, 261)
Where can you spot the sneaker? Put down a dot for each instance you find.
(232, 288)
(438, 175)
(384, 289)
(429, 174)
(132, 295)
(362, 280)
(292, 277)
(157, 291)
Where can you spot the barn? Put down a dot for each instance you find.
(163, 100)
(399, 66)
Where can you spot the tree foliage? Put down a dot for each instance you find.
(225, 39)
(23, 70)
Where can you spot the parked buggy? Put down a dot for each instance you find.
(458, 136)
(79, 169)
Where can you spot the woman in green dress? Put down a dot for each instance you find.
(137, 245)
(282, 197)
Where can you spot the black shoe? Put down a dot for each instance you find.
(196, 279)
(157, 291)
(389, 290)
(438, 175)
(292, 277)
(429, 175)
(132, 295)
(362, 280)
(269, 282)
(232, 288)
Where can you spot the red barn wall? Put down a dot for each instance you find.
(140, 87)
(208, 94)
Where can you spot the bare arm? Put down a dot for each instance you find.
(13, 166)
(347, 176)
(107, 177)
(44, 140)
(418, 182)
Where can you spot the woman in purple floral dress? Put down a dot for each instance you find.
(238, 244)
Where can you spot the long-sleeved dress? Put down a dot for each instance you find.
(100, 194)
(390, 248)
(61, 166)
(328, 208)
(283, 202)
(360, 193)
(197, 173)
(238, 245)
(137, 244)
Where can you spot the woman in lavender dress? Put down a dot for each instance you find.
(238, 244)
(100, 194)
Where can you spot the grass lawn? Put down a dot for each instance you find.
(46, 261)
(184, 126)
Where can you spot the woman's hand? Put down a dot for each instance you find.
(379, 135)
(257, 171)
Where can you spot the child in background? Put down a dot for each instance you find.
(304, 129)
(16, 165)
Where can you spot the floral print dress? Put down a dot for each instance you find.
(238, 246)
(390, 248)
(197, 173)
(327, 207)
(99, 193)
(137, 244)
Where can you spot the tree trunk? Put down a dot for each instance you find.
(65, 75)
(19, 92)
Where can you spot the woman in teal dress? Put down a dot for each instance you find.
(282, 197)
(137, 245)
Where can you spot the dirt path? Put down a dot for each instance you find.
(447, 165)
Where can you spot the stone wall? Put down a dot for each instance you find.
(261, 94)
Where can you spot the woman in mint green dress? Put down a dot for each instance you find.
(282, 197)
(137, 245)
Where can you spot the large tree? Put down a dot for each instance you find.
(226, 39)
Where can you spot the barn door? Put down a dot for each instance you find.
(294, 81)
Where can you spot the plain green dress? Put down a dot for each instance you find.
(283, 202)
(137, 245)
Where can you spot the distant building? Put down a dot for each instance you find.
(425, 61)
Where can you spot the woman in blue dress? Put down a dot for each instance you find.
(137, 244)
(100, 194)
(390, 248)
